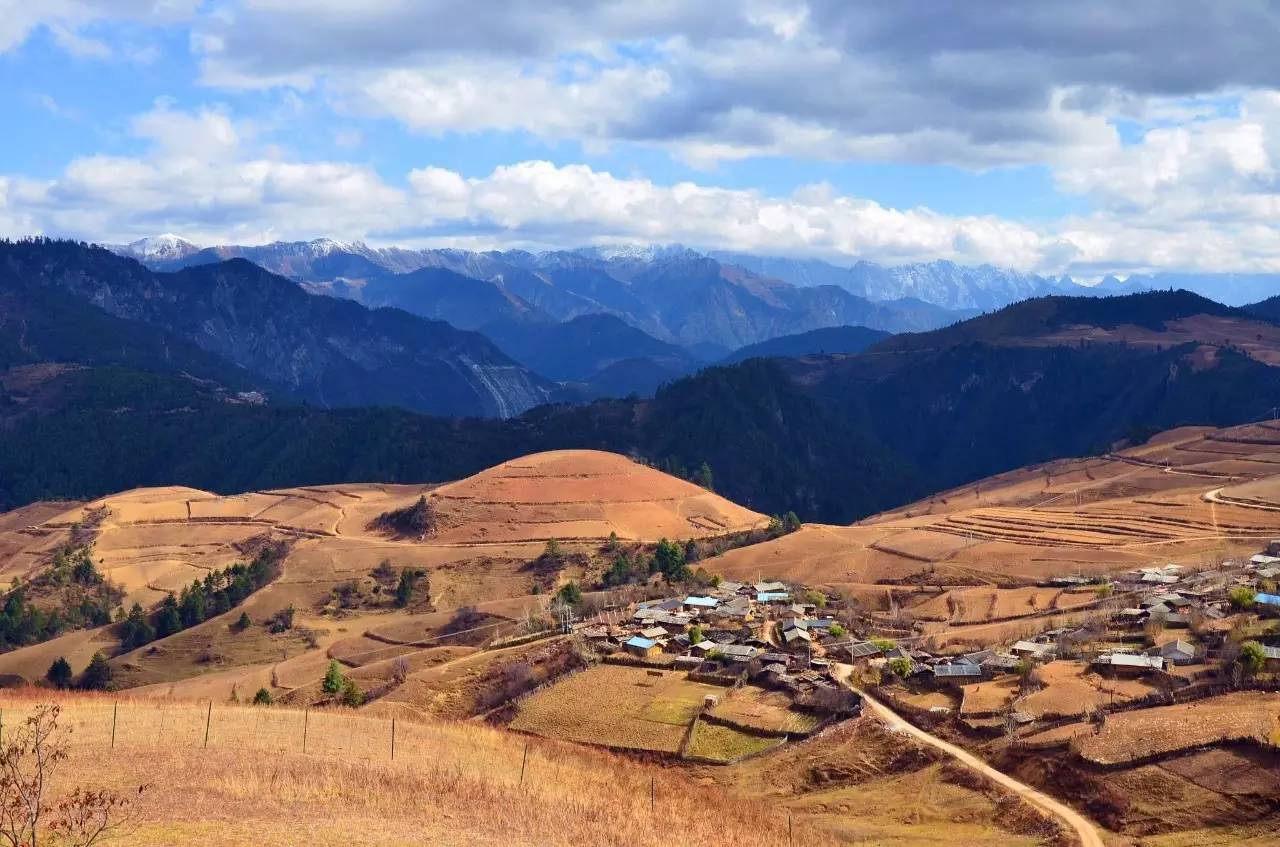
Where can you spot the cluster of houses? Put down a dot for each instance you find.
(760, 630)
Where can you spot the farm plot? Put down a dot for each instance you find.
(984, 604)
(768, 711)
(724, 744)
(1131, 736)
(617, 706)
(1069, 689)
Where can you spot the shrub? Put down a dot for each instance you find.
(262, 698)
(243, 622)
(281, 621)
(351, 694)
(837, 631)
(1241, 597)
(900, 667)
(570, 594)
(408, 582)
(59, 674)
(333, 678)
(1251, 658)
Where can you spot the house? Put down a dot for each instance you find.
(1128, 664)
(640, 646)
(860, 650)
(1175, 652)
(957, 673)
(738, 652)
(653, 633)
(1068, 581)
(1000, 663)
(700, 604)
(773, 597)
(770, 587)
(1160, 578)
(896, 653)
(1271, 659)
(1031, 650)
(688, 663)
(702, 648)
(796, 636)
(776, 659)
(738, 607)
(819, 624)
(1262, 560)
(1268, 600)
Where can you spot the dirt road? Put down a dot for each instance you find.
(1085, 831)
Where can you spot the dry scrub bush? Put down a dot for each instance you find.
(28, 817)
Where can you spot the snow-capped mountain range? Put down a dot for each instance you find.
(344, 267)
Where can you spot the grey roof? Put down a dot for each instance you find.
(1128, 660)
(796, 634)
(1178, 646)
(739, 652)
(962, 670)
(1271, 652)
(770, 587)
(863, 649)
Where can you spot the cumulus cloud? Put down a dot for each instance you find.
(915, 81)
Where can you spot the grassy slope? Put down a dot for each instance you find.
(450, 783)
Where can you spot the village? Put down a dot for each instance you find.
(775, 661)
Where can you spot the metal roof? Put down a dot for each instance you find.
(963, 669)
(641, 642)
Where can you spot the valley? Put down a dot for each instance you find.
(513, 621)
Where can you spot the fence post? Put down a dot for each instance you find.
(653, 794)
(208, 719)
(789, 841)
(524, 762)
(393, 739)
(115, 708)
(306, 718)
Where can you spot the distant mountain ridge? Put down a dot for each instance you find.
(326, 351)
(675, 294)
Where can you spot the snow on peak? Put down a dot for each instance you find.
(166, 246)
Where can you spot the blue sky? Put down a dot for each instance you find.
(1057, 137)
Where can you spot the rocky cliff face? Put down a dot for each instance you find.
(325, 351)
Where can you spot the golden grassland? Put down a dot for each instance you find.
(449, 783)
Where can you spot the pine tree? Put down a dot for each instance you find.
(262, 698)
(96, 677)
(59, 674)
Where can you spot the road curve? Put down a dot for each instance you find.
(1084, 829)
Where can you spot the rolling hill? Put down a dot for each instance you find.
(836, 339)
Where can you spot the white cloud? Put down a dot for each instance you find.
(67, 19)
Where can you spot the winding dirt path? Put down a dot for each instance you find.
(1083, 828)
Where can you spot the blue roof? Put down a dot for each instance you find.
(708, 602)
(641, 642)
(770, 596)
(1269, 599)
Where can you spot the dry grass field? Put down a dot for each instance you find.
(1148, 505)
(1071, 689)
(616, 706)
(861, 784)
(1130, 736)
(449, 783)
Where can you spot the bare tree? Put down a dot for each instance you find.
(27, 766)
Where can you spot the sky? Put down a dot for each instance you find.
(1083, 137)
